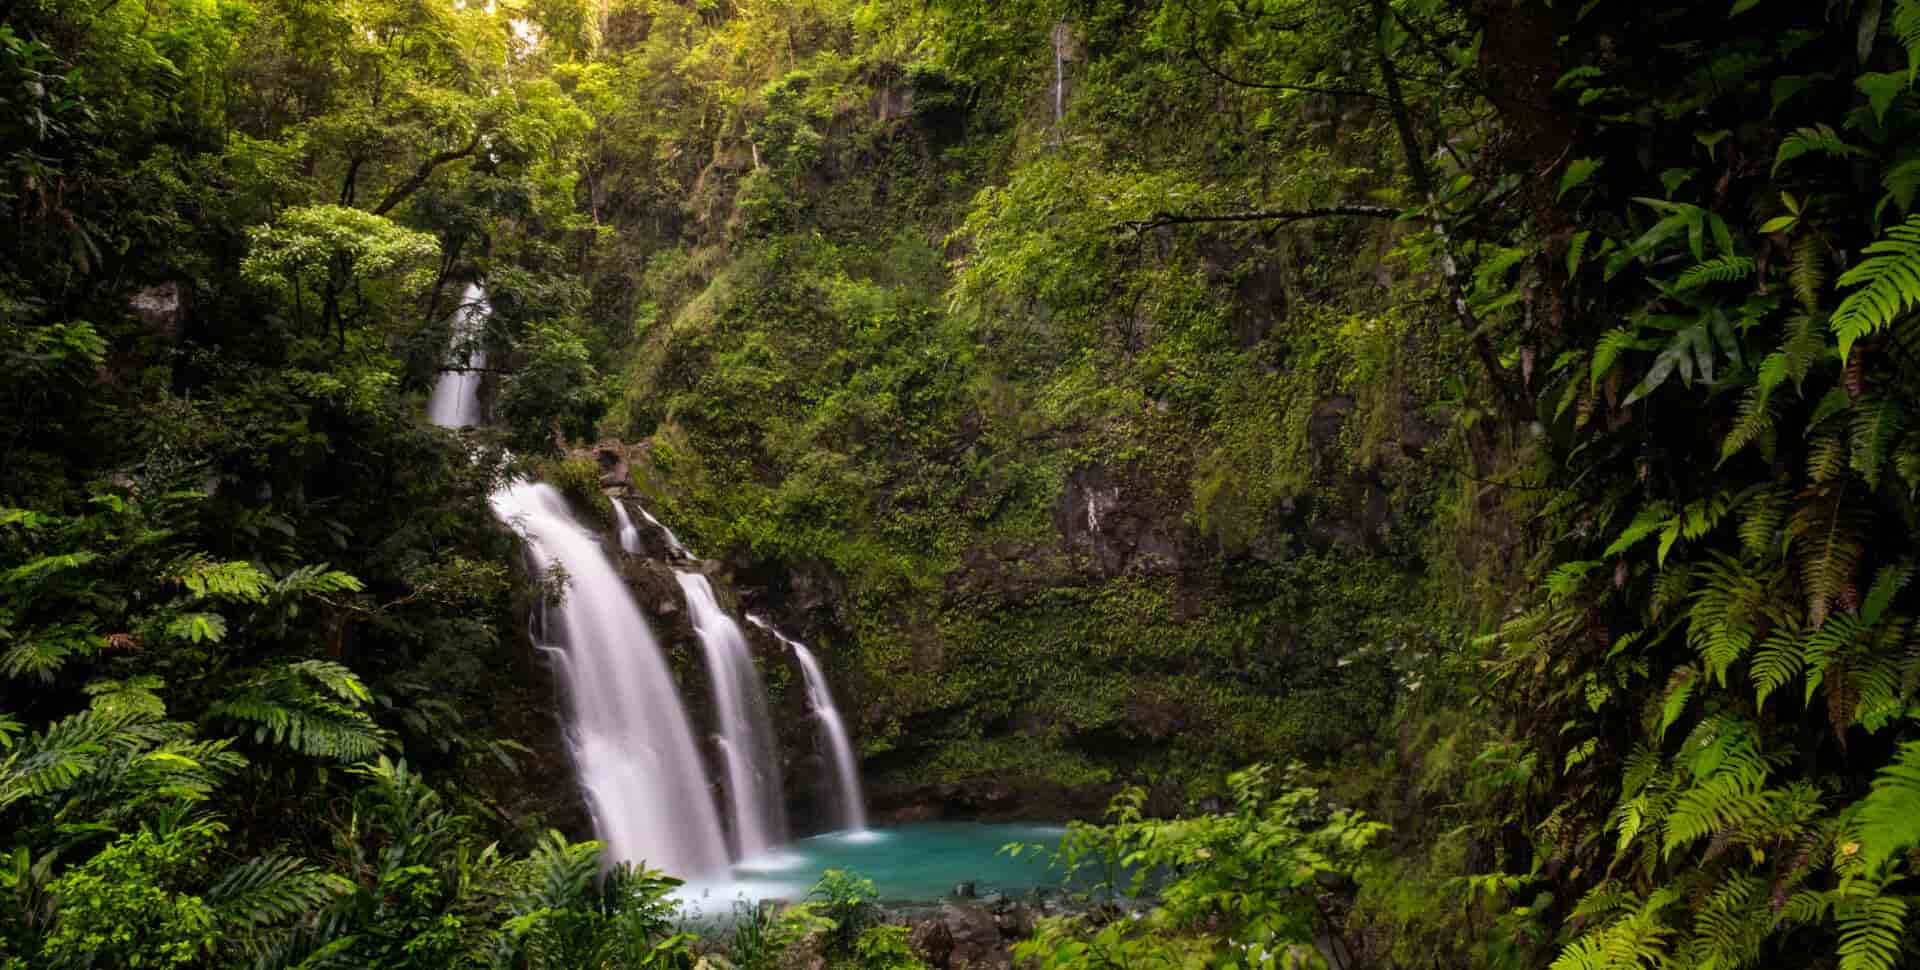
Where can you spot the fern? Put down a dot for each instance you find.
(1871, 931)
(1889, 285)
(274, 889)
(1876, 425)
(1720, 269)
(1755, 424)
(1906, 29)
(1804, 345)
(1826, 539)
(1779, 659)
(1729, 796)
(1819, 139)
(284, 706)
(233, 581)
(1889, 817)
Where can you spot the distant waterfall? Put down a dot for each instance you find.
(455, 402)
(746, 732)
(849, 801)
(636, 755)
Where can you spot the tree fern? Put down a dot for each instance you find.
(1888, 284)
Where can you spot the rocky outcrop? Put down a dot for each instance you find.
(961, 936)
(1110, 526)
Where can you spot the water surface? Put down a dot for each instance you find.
(909, 863)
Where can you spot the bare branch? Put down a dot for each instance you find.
(421, 175)
(1199, 58)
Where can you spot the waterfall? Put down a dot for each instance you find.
(673, 541)
(848, 798)
(455, 402)
(636, 755)
(746, 732)
(629, 535)
(646, 785)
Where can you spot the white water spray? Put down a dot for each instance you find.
(849, 801)
(746, 732)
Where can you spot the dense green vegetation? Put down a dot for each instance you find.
(1502, 410)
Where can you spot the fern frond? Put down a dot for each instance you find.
(1755, 424)
(1876, 424)
(1780, 658)
(284, 707)
(1906, 29)
(1902, 181)
(1763, 519)
(1819, 139)
(1720, 269)
(1889, 286)
(1807, 271)
(1826, 539)
(274, 889)
(1889, 817)
(233, 581)
(1871, 933)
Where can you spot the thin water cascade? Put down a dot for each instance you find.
(849, 802)
(455, 402)
(628, 533)
(673, 541)
(636, 755)
(746, 732)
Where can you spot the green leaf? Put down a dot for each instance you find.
(1740, 7)
(1881, 89)
(1578, 172)
(1779, 224)
(199, 627)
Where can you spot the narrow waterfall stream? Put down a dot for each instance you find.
(849, 802)
(628, 533)
(745, 731)
(455, 402)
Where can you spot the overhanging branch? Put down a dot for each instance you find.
(1280, 216)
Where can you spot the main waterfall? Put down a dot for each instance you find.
(631, 740)
(635, 752)
(746, 732)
